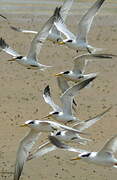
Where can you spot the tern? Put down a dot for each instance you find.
(68, 136)
(104, 157)
(26, 144)
(31, 61)
(80, 62)
(54, 35)
(64, 114)
(80, 41)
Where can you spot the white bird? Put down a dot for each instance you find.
(29, 140)
(54, 35)
(104, 157)
(80, 41)
(31, 61)
(64, 114)
(67, 136)
(78, 72)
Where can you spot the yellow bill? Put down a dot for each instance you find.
(13, 59)
(58, 74)
(61, 42)
(23, 125)
(76, 158)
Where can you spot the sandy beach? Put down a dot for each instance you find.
(21, 90)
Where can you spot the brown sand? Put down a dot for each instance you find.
(21, 99)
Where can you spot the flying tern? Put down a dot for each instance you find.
(26, 144)
(80, 62)
(31, 61)
(54, 35)
(80, 41)
(67, 136)
(65, 114)
(104, 157)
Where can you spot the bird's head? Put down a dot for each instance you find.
(81, 156)
(30, 123)
(65, 41)
(62, 73)
(51, 115)
(16, 58)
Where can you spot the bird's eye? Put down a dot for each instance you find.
(86, 155)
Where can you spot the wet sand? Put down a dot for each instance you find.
(21, 97)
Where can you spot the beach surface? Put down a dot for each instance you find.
(21, 89)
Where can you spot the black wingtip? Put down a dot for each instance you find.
(103, 56)
(74, 102)
(15, 29)
(47, 91)
(57, 12)
(3, 43)
(87, 81)
(3, 16)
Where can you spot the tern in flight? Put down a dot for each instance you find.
(78, 71)
(31, 61)
(80, 41)
(26, 144)
(54, 35)
(104, 157)
(65, 114)
(67, 136)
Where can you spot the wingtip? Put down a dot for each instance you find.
(3, 16)
(47, 90)
(57, 12)
(3, 43)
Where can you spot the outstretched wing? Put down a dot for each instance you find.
(110, 146)
(42, 150)
(41, 36)
(48, 99)
(23, 30)
(86, 21)
(58, 126)
(5, 47)
(23, 151)
(65, 8)
(59, 23)
(81, 126)
(80, 63)
(67, 96)
(63, 85)
(63, 13)
(63, 146)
